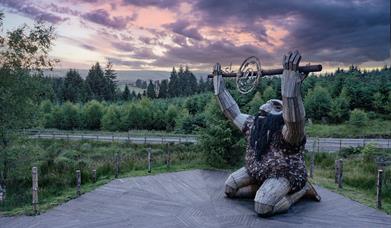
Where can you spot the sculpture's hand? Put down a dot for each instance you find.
(291, 77)
(217, 79)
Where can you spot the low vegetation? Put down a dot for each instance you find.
(359, 174)
(58, 160)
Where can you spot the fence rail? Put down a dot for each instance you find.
(321, 144)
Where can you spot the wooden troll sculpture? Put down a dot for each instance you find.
(274, 171)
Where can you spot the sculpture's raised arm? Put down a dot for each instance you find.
(293, 107)
(227, 103)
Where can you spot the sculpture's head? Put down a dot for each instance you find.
(273, 106)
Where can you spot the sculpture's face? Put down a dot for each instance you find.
(273, 106)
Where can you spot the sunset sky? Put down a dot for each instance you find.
(157, 34)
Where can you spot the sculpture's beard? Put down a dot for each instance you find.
(262, 131)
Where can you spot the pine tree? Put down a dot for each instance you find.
(173, 83)
(96, 82)
(126, 94)
(111, 82)
(134, 95)
(73, 86)
(163, 91)
(151, 90)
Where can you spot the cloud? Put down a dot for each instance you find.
(222, 51)
(345, 31)
(123, 46)
(183, 28)
(102, 17)
(30, 10)
(156, 3)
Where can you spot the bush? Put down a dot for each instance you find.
(222, 146)
(358, 118)
(317, 103)
(93, 113)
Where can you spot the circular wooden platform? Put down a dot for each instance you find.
(192, 199)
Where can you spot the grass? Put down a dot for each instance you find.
(70, 193)
(57, 161)
(374, 129)
(359, 177)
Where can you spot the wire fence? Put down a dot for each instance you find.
(322, 144)
(41, 182)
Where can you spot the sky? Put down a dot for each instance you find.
(158, 34)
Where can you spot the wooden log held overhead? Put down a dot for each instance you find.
(302, 69)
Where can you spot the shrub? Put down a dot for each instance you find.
(358, 118)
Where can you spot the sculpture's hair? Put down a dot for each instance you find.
(262, 132)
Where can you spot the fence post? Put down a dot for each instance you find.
(317, 138)
(339, 172)
(117, 162)
(78, 182)
(2, 193)
(340, 144)
(149, 159)
(168, 156)
(312, 161)
(378, 188)
(34, 173)
(94, 175)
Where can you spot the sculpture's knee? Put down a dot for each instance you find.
(263, 210)
(230, 186)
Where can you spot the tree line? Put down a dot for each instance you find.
(101, 84)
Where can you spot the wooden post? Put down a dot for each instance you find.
(34, 173)
(340, 144)
(318, 143)
(168, 156)
(94, 175)
(339, 172)
(2, 194)
(117, 164)
(378, 188)
(312, 161)
(149, 159)
(78, 182)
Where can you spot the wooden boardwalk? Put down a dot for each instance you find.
(192, 199)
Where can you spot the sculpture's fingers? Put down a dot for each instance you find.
(296, 62)
(284, 61)
(292, 58)
(287, 60)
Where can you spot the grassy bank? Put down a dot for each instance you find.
(374, 129)
(57, 161)
(359, 176)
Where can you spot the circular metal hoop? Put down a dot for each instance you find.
(247, 77)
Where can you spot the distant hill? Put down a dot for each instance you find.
(126, 76)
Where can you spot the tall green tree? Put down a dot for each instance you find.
(111, 83)
(151, 93)
(163, 90)
(73, 89)
(173, 84)
(97, 82)
(126, 94)
(22, 51)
